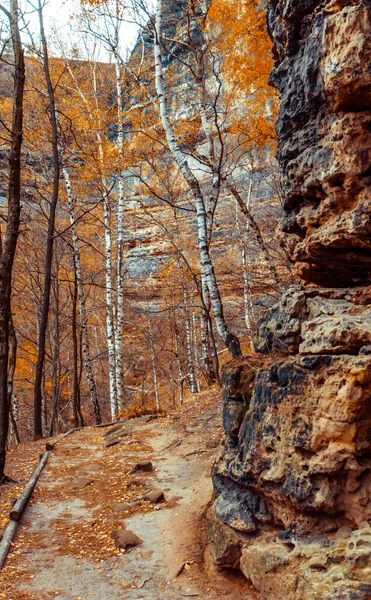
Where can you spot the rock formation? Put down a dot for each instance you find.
(292, 505)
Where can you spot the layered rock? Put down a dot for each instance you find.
(324, 126)
(317, 321)
(292, 506)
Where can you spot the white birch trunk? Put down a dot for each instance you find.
(256, 229)
(206, 264)
(14, 435)
(80, 294)
(191, 372)
(15, 407)
(120, 245)
(244, 259)
(195, 352)
(108, 269)
(179, 361)
(109, 310)
(205, 340)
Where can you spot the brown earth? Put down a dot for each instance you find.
(64, 547)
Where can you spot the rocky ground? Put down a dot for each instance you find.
(92, 493)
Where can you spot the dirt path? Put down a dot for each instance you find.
(64, 548)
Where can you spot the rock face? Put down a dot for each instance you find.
(292, 505)
(322, 71)
(317, 321)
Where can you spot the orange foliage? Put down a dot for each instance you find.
(240, 39)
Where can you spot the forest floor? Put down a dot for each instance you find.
(63, 549)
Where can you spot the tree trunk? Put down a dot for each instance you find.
(75, 357)
(179, 362)
(80, 292)
(12, 398)
(120, 246)
(206, 358)
(79, 410)
(44, 406)
(12, 227)
(153, 360)
(55, 361)
(38, 433)
(256, 229)
(108, 263)
(208, 273)
(109, 311)
(191, 369)
(244, 259)
(195, 351)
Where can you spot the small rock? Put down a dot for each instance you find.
(179, 570)
(123, 506)
(124, 538)
(80, 483)
(285, 537)
(343, 533)
(143, 466)
(155, 496)
(146, 554)
(134, 483)
(113, 442)
(117, 436)
(113, 430)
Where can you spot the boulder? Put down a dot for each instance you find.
(225, 544)
(303, 454)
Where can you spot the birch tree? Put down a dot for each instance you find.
(208, 272)
(81, 300)
(107, 31)
(93, 109)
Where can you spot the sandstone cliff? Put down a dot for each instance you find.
(292, 485)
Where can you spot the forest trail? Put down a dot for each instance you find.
(64, 550)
